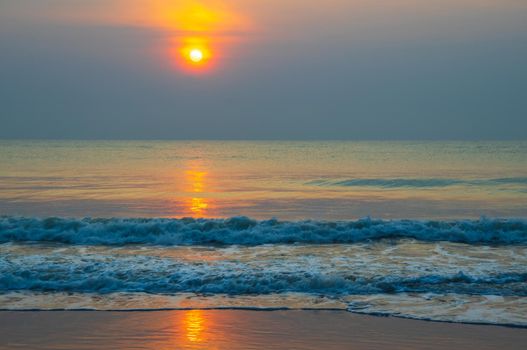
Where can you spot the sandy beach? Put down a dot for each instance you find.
(242, 329)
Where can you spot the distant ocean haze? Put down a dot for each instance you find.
(249, 69)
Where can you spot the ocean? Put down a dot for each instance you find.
(425, 230)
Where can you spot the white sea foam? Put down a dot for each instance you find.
(362, 277)
(329, 270)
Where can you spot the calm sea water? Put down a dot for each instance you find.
(286, 180)
(432, 230)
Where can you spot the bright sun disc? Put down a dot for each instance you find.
(196, 55)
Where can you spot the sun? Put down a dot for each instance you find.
(196, 55)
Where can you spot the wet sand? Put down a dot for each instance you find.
(242, 329)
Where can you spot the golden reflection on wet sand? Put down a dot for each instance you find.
(184, 329)
(235, 329)
(194, 325)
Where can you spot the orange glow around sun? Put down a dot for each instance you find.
(200, 31)
(196, 35)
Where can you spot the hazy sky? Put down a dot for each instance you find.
(266, 69)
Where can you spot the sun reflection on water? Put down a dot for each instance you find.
(196, 185)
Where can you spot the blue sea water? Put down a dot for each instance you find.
(429, 230)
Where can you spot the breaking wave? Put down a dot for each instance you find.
(245, 231)
(150, 275)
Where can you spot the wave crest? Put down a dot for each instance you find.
(246, 231)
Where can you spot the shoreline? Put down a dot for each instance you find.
(267, 309)
(243, 329)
